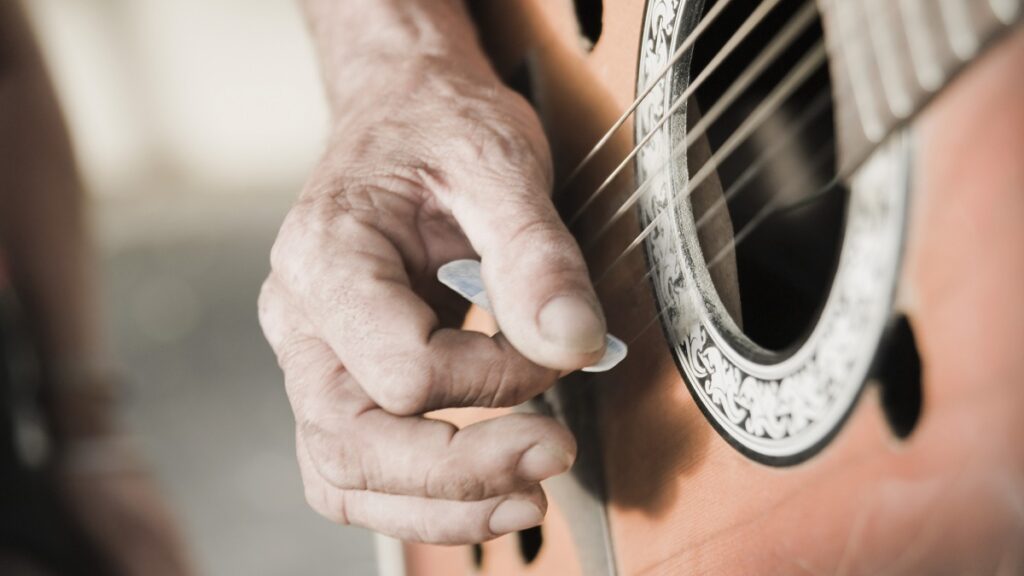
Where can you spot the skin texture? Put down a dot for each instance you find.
(431, 159)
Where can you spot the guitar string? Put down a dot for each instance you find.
(773, 206)
(747, 176)
(766, 212)
(802, 121)
(817, 106)
(712, 116)
(679, 53)
(753, 71)
(802, 71)
(754, 169)
(770, 208)
(807, 66)
(742, 82)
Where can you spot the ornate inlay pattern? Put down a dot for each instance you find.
(782, 409)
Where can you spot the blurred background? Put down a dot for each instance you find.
(195, 123)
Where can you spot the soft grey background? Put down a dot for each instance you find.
(204, 396)
(195, 123)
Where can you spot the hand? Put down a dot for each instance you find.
(444, 164)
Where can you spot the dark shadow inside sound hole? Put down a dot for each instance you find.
(590, 13)
(478, 556)
(530, 541)
(898, 371)
(787, 220)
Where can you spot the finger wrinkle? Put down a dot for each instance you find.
(305, 385)
(534, 232)
(436, 480)
(400, 393)
(372, 476)
(335, 459)
(498, 386)
(430, 485)
(380, 207)
(375, 268)
(296, 346)
(319, 494)
(342, 507)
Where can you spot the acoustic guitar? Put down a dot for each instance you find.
(806, 219)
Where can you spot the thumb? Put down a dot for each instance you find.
(532, 267)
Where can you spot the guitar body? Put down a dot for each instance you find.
(920, 472)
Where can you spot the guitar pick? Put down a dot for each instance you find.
(463, 276)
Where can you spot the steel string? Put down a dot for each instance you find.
(692, 37)
(769, 209)
(803, 70)
(787, 34)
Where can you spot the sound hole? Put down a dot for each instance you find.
(478, 556)
(589, 13)
(772, 192)
(898, 370)
(530, 541)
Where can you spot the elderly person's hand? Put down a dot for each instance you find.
(431, 159)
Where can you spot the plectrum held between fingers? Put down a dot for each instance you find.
(463, 276)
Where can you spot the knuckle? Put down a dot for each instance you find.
(538, 242)
(289, 360)
(319, 496)
(314, 495)
(404, 399)
(320, 240)
(336, 458)
(408, 388)
(309, 227)
(497, 145)
(501, 143)
(265, 299)
(507, 157)
(305, 361)
(535, 231)
(423, 530)
(460, 485)
(291, 248)
(450, 477)
(290, 235)
(336, 507)
(278, 250)
(319, 499)
(287, 331)
(267, 311)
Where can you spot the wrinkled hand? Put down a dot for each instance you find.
(443, 166)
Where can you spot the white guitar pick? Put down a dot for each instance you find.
(463, 276)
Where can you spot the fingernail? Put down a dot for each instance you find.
(572, 323)
(540, 462)
(512, 515)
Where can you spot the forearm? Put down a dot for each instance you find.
(368, 49)
(42, 231)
